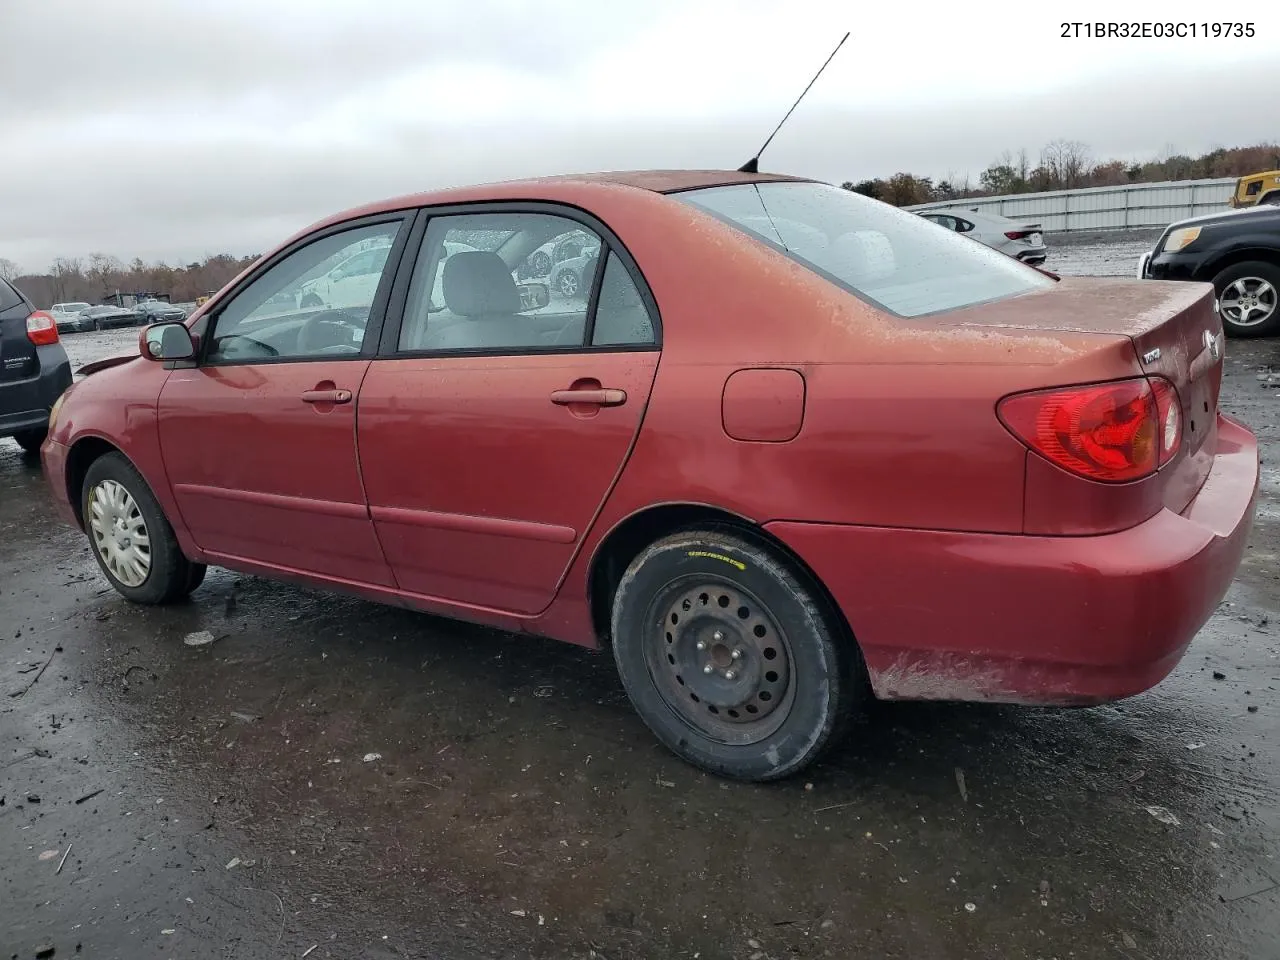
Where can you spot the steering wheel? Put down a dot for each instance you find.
(331, 331)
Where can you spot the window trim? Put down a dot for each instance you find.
(609, 243)
(377, 310)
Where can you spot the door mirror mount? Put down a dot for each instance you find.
(166, 341)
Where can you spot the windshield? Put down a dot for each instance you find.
(894, 259)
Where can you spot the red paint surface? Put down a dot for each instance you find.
(457, 485)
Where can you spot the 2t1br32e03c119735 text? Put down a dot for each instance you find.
(1158, 29)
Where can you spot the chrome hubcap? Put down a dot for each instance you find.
(1248, 301)
(119, 533)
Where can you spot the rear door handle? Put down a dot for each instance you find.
(326, 396)
(601, 398)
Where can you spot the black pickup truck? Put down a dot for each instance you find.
(1238, 251)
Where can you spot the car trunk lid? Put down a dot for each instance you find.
(18, 360)
(1176, 334)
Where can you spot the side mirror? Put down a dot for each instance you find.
(534, 296)
(166, 341)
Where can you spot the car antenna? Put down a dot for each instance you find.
(753, 165)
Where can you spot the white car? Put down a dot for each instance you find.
(351, 283)
(1016, 238)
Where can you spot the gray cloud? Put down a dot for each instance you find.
(171, 131)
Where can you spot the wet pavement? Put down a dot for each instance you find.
(330, 778)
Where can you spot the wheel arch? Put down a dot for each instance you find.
(631, 535)
(80, 457)
(1217, 264)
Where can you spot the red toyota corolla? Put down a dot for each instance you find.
(780, 446)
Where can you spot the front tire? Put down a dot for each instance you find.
(131, 539)
(1248, 296)
(730, 657)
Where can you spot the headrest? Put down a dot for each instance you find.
(477, 283)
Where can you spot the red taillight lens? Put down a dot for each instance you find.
(1017, 234)
(1113, 432)
(42, 329)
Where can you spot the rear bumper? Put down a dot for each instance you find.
(53, 462)
(25, 404)
(1038, 620)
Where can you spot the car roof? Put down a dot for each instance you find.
(556, 186)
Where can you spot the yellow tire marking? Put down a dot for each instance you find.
(718, 556)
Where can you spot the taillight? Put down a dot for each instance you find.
(1169, 411)
(42, 329)
(1113, 432)
(1017, 234)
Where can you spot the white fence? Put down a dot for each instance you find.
(1103, 208)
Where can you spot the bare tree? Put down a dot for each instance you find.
(1067, 163)
(65, 273)
(8, 269)
(104, 272)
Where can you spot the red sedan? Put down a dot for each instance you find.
(784, 449)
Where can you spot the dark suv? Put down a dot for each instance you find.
(1238, 251)
(34, 369)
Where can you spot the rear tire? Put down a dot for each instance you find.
(31, 440)
(130, 537)
(730, 657)
(1243, 289)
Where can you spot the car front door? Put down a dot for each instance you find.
(491, 431)
(258, 435)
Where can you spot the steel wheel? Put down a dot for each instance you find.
(1248, 301)
(119, 533)
(720, 660)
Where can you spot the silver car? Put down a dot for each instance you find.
(1017, 238)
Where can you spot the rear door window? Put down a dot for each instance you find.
(892, 258)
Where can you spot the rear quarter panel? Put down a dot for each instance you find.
(899, 426)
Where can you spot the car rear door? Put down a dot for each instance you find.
(258, 436)
(491, 435)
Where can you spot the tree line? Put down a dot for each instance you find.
(1068, 165)
(99, 277)
(1061, 165)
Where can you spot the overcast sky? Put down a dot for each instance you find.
(169, 129)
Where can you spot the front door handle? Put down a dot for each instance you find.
(603, 397)
(326, 396)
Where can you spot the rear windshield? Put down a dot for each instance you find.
(898, 261)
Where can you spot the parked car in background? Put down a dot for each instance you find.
(105, 316)
(1257, 189)
(34, 369)
(348, 283)
(793, 449)
(1021, 239)
(67, 316)
(1238, 251)
(572, 277)
(151, 311)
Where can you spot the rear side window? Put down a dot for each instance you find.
(892, 258)
(9, 297)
